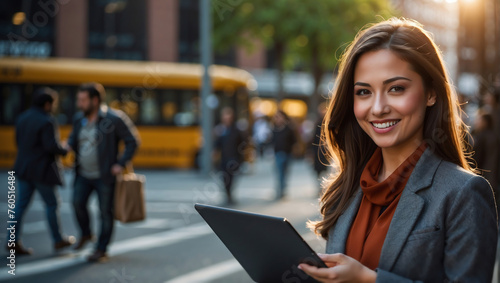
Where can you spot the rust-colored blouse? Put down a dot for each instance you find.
(377, 208)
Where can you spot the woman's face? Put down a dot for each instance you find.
(390, 100)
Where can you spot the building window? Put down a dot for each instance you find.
(117, 29)
(189, 31)
(26, 29)
(189, 36)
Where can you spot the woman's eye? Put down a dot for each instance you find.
(396, 89)
(362, 92)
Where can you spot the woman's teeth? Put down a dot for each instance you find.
(385, 125)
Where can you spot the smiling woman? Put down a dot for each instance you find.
(406, 205)
(390, 102)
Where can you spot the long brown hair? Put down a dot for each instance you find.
(350, 147)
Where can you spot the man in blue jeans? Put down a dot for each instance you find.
(284, 139)
(37, 167)
(95, 138)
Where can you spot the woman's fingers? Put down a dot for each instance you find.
(334, 258)
(330, 260)
(320, 274)
(346, 269)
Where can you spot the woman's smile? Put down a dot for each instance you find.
(384, 126)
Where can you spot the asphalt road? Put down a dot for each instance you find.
(173, 244)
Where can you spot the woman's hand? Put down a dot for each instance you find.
(341, 268)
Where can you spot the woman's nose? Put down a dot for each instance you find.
(380, 105)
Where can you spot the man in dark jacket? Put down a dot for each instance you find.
(230, 143)
(95, 140)
(284, 139)
(38, 168)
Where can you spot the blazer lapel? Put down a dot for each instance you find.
(408, 210)
(339, 233)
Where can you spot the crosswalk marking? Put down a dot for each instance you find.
(154, 223)
(210, 273)
(161, 239)
(149, 223)
(34, 227)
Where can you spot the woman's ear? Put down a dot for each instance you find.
(431, 98)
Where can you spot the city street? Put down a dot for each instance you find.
(173, 244)
(406, 94)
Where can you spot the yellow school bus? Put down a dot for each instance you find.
(161, 98)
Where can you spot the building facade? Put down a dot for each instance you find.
(156, 30)
(440, 18)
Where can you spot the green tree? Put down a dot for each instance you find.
(328, 28)
(305, 33)
(271, 21)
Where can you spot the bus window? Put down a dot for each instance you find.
(169, 106)
(226, 99)
(122, 100)
(150, 112)
(188, 114)
(129, 105)
(112, 99)
(65, 107)
(242, 104)
(11, 103)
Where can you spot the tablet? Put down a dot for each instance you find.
(267, 247)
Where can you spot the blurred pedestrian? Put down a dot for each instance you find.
(38, 167)
(95, 139)
(284, 138)
(230, 143)
(406, 205)
(262, 133)
(486, 149)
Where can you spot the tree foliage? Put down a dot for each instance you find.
(308, 35)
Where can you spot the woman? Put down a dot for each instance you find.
(405, 206)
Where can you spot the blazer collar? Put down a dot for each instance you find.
(424, 171)
(409, 207)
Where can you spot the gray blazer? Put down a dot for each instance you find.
(444, 228)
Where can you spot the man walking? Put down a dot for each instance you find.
(95, 138)
(38, 167)
(284, 139)
(230, 142)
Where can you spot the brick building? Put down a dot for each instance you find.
(156, 30)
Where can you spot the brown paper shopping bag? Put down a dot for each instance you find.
(130, 202)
